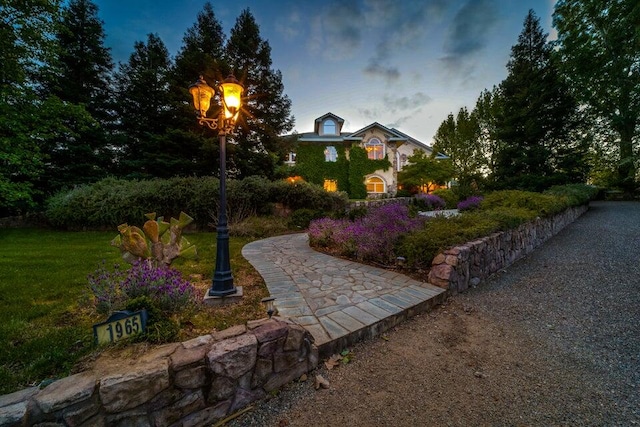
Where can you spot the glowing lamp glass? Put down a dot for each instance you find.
(202, 94)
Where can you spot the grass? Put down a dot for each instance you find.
(46, 330)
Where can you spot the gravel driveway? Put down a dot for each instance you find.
(552, 341)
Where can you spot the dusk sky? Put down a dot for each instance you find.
(405, 64)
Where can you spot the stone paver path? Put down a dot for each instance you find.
(336, 300)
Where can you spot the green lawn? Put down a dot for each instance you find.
(44, 327)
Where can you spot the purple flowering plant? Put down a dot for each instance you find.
(470, 203)
(430, 202)
(162, 284)
(370, 238)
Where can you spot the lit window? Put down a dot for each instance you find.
(294, 179)
(330, 185)
(375, 185)
(330, 154)
(329, 127)
(375, 149)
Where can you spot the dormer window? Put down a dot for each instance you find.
(375, 149)
(329, 127)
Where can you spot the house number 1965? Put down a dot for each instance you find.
(120, 325)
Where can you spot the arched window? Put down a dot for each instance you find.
(375, 185)
(329, 127)
(375, 149)
(330, 154)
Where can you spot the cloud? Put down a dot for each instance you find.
(467, 36)
(375, 69)
(402, 108)
(399, 26)
(336, 31)
(406, 103)
(470, 28)
(289, 27)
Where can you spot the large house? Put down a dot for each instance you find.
(364, 163)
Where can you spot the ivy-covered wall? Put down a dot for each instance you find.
(349, 173)
(360, 166)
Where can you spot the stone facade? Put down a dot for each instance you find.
(192, 383)
(465, 266)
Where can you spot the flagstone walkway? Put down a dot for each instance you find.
(338, 301)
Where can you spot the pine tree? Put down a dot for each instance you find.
(267, 111)
(85, 64)
(144, 104)
(78, 82)
(536, 116)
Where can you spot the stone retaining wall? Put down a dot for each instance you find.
(193, 383)
(458, 268)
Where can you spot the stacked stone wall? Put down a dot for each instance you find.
(193, 383)
(467, 265)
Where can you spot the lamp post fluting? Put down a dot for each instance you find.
(230, 93)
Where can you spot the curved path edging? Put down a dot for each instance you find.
(338, 301)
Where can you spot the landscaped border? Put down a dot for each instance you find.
(467, 265)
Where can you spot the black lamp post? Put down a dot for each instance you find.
(230, 92)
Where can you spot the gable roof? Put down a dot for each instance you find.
(392, 134)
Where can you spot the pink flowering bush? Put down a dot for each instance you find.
(371, 238)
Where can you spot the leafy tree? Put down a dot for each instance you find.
(151, 147)
(536, 117)
(26, 30)
(459, 138)
(600, 50)
(423, 170)
(486, 112)
(267, 111)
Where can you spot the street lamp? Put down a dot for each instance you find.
(230, 92)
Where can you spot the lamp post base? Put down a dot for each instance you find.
(217, 301)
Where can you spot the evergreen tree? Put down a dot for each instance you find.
(600, 51)
(459, 138)
(85, 64)
(266, 111)
(151, 147)
(536, 117)
(77, 81)
(202, 54)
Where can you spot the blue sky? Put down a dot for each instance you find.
(405, 64)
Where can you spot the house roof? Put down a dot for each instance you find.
(392, 134)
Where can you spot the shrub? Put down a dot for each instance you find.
(163, 285)
(540, 204)
(160, 327)
(258, 227)
(301, 218)
(300, 195)
(371, 238)
(110, 202)
(470, 203)
(575, 194)
(429, 202)
(450, 198)
(420, 247)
